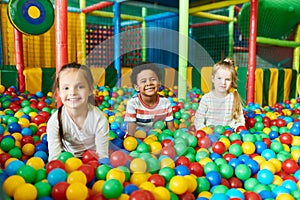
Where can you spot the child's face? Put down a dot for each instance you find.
(147, 83)
(73, 88)
(222, 81)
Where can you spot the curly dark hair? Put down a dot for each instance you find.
(144, 66)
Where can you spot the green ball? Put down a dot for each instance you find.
(219, 129)
(15, 152)
(64, 156)
(243, 172)
(250, 184)
(7, 144)
(102, 171)
(153, 165)
(27, 109)
(126, 172)
(236, 150)
(276, 146)
(220, 161)
(226, 171)
(9, 112)
(234, 136)
(167, 173)
(112, 188)
(25, 103)
(6, 104)
(210, 166)
(27, 172)
(177, 115)
(219, 189)
(249, 138)
(201, 154)
(180, 149)
(41, 174)
(202, 185)
(259, 126)
(195, 106)
(33, 128)
(159, 125)
(260, 187)
(143, 147)
(43, 189)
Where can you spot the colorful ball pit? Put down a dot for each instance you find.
(258, 161)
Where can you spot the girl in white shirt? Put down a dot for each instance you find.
(222, 105)
(77, 125)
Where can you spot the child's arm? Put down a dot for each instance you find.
(131, 128)
(199, 120)
(102, 137)
(171, 126)
(53, 138)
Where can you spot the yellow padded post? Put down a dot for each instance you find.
(273, 86)
(33, 79)
(259, 79)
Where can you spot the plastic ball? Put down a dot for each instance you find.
(64, 156)
(117, 174)
(77, 190)
(112, 188)
(57, 175)
(43, 189)
(7, 144)
(214, 178)
(138, 165)
(12, 183)
(25, 191)
(130, 143)
(97, 187)
(102, 171)
(182, 170)
(161, 193)
(290, 166)
(141, 194)
(36, 163)
(118, 158)
(72, 164)
(265, 176)
(218, 147)
(159, 125)
(76, 177)
(89, 155)
(27, 172)
(178, 185)
(13, 167)
(242, 172)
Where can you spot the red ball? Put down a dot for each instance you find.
(186, 196)
(41, 130)
(235, 182)
(59, 191)
(118, 158)
(41, 105)
(251, 122)
(39, 119)
(141, 194)
(196, 169)
(286, 138)
(175, 109)
(88, 170)
(204, 142)
(157, 180)
(168, 151)
(290, 166)
(225, 182)
(218, 147)
(180, 105)
(240, 128)
(182, 160)
(45, 114)
(200, 133)
(27, 139)
(3, 158)
(167, 142)
(251, 196)
(227, 133)
(89, 155)
(229, 156)
(54, 164)
(280, 122)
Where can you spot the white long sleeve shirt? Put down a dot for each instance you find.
(92, 136)
(214, 110)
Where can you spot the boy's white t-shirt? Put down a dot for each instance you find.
(92, 136)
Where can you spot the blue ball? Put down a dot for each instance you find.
(260, 147)
(265, 176)
(13, 167)
(253, 165)
(214, 178)
(268, 154)
(14, 127)
(219, 197)
(57, 175)
(41, 147)
(128, 189)
(42, 154)
(235, 162)
(235, 193)
(290, 185)
(182, 170)
(26, 131)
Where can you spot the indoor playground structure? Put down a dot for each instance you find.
(258, 161)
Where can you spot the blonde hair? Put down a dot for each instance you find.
(228, 64)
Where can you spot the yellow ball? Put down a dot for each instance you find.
(204, 161)
(207, 130)
(72, 164)
(76, 191)
(25, 191)
(130, 143)
(18, 114)
(155, 147)
(277, 180)
(167, 162)
(12, 183)
(28, 149)
(205, 194)
(36, 162)
(248, 147)
(178, 185)
(268, 165)
(2, 88)
(138, 178)
(138, 165)
(116, 173)
(277, 164)
(17, 136)
(284, 196)
(226, 142)
(140, 134)
(192, 183)
(147, 186)
(24, 122)
(97, 187)
(161, 193)
(77, 177)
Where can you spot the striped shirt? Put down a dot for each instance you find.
(144, 116)
(214, 110)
